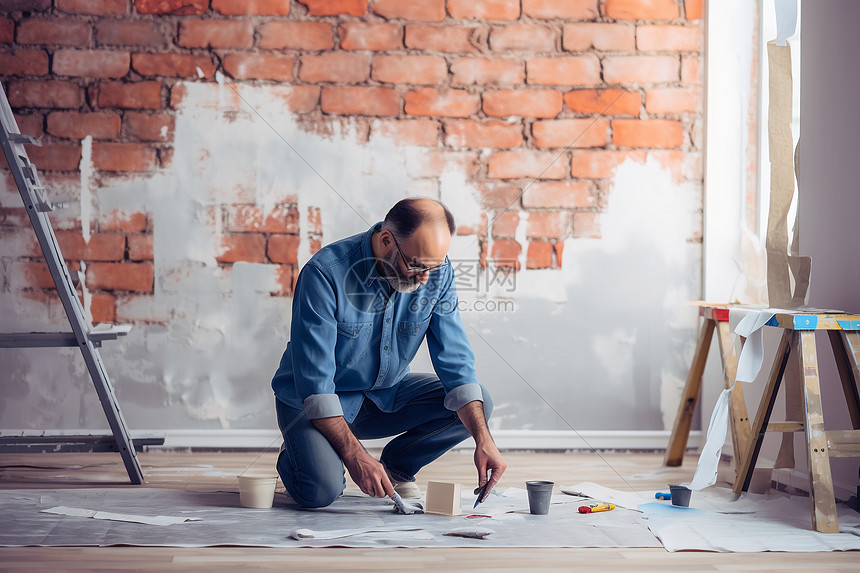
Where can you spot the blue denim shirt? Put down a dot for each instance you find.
(353, 336)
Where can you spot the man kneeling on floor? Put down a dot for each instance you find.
(361, 308)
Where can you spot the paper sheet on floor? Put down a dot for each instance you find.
(753, 523)
(145, 519)
(354, 520)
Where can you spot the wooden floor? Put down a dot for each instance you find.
(203, 470)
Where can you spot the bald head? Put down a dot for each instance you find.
(407, 215)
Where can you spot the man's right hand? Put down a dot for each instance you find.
(367, 472)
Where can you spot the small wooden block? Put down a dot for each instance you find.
(443, 498)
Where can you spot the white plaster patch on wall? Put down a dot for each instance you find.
(615, 353)
(86, 198)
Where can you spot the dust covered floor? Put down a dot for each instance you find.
(205, 471)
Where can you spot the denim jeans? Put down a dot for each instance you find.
(313, 472)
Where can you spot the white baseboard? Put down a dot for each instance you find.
(505, 439)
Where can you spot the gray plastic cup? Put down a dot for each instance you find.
(680, 495)
(540, 494)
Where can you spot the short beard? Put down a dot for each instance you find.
(399, 281)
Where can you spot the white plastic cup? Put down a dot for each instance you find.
(257, 491)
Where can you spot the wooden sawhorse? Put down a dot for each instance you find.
(715, 317)
(799, 337)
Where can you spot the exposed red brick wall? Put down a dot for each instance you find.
(537, 101)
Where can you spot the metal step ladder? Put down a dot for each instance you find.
(83, 335)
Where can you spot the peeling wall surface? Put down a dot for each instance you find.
(575, 309)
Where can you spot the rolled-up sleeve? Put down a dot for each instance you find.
(450, 350)
(313, 335)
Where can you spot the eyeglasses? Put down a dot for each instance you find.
(417, 269)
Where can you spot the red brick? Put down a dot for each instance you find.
(539, 255)
(523, 103)
(260, 66)
(91, 63)
(548, 224)
(441, 103)
(340, 67)
(599, 36)
(279, 35)
(564, 71)
(30, 123)
(209, 95)
(418, 70)
(424, 132)
(55, 156)
(283, 249)
(314, 219)
(370, 36)
(586, 132)
(286, 276)
(141, 248)
(606, 102)
(63, 31)
(251, 219)
(506, 252)
(7, 31)
(567, 9)
(491, 133)
(500, 196)
(641, 9)
(245, 247)
(252, 7)
(299, 99)
(123, 221)
(335, 7)
(75, 125)
(172, 65)
(24, 63)
(123, 157)
(176, 7)
(427, 10)
(640, 69)
(487, 71)
(129, 33)
(672, 100)
(149, 126)
(360, 100)
(532, 164)
(601, 164)
(693, 9)
(101, 246)
(659, 133)
(690, 70)
(505, 224)
(448, 38)
(103, 308)
(668, 38)
(485, 9)
(51, 93)
(96, 7)
(586, 225)
(532, 38)
(216, 34)
(137, 277)
(558, 247)
(33, 274)
(135, 95)
(559, 195)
